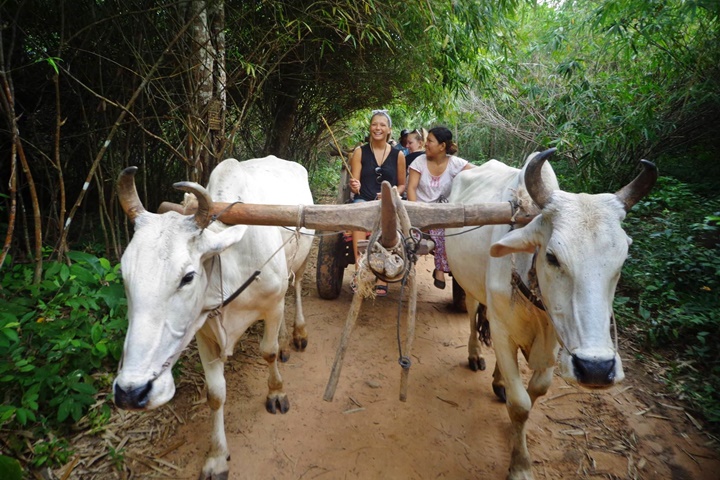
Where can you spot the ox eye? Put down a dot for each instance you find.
(552, 259)
(187, 279)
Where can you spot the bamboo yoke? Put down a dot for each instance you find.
(364, 216)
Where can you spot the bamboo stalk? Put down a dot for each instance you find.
(337, 146)
(113, 131)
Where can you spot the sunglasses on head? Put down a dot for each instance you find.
(379, 174)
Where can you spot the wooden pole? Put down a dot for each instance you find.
(342, 347)
(362, 216)
(405, 226)
(410, 334)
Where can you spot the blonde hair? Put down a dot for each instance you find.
(419, 135)
(385, 113)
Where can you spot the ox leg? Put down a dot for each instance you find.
(518, 406)
(269, 348)
(300, 336)
(216, 466)
(476, 312)
(498, 385)
(540, 383)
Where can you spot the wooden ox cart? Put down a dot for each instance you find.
(390, 220)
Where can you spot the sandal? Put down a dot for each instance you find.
(438, 283)
(381, 290)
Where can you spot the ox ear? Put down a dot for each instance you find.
(522, 240)
(215, 243)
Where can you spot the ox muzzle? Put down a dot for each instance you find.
(133, 398)
(594, 373)
(591, 367)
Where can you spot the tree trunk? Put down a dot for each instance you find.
(206, 87)
(283, 114)
(13, 206)
(8, 103)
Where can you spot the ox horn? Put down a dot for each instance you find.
(533, 178)
(631, 193)
(127, 193)
(202, 215)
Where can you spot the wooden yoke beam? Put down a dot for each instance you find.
(361, 216)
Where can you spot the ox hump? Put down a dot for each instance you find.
(486, 183)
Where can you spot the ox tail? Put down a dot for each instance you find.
(483, 326)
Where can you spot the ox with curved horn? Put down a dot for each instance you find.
(572, 256)
(176, 291)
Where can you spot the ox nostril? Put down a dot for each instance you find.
(594, 373)
(134, 398)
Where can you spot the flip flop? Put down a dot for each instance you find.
(381, 290)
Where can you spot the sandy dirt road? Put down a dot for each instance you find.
(451, 426)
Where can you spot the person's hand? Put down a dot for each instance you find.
(354, 185)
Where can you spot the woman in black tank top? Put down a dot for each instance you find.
(372, 164)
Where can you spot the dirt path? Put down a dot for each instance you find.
(451, 426)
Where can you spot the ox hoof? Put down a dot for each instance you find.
(518, 474)
(278, 403)
(499, 392)
(215, 468)
(283, 355)
(213, 476)
(476, 364)
(300, 344)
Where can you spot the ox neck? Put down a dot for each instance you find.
(532, 292)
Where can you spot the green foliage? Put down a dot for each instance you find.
(57, 338)
(324, 180)
(608, 82)
(117, 457)
(670, 285)
(10, 468)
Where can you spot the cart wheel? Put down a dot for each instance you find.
(458, 297)
(330, 270)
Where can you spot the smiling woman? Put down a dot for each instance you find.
(372, 164)
(430, 179)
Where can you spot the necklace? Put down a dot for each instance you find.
(382, 159)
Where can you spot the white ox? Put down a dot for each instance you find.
(178, 268)
(579, 248)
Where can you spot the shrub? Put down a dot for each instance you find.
(670, 285)
(59, 340)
